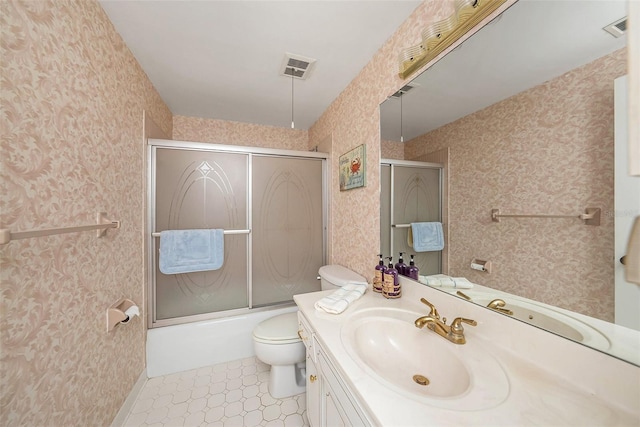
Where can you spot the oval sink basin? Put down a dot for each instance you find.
(420, 364)
(548, 319)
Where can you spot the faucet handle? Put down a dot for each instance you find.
(434, 311)
(456, 325)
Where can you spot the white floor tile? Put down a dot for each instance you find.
(227, 394)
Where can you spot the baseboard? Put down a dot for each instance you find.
(126, 407)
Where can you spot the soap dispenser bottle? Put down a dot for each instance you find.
(391, 285)
(401, 267)
(412, 270)
(379, 272)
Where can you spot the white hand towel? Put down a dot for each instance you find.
(446, 282)
(338, 301)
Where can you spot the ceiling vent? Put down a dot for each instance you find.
(297, 66)
(403, 90)
(618, 28)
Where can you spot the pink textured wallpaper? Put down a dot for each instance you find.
(236, 133)
(354, 119)
(548, 150)
(392, 150)
(72, 100)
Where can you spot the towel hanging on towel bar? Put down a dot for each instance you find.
(189, 251)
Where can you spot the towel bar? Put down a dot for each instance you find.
(157, 234)
(102, 225)
(590, 217)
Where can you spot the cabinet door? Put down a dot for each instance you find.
(337, 408)
(333, 416)
(313, 392)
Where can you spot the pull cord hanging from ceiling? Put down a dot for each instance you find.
(401, 134)
(292, 123)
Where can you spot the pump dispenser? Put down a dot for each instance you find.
(377, 278)
(401, 267)
(391, 285)
(412, 270)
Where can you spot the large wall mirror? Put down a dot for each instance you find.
(525, 110)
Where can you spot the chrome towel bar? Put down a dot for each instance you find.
(102, 225)
(157, 234)
(590, 217)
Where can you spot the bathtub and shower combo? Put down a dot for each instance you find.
(272, 205)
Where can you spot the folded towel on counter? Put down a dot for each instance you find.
(446, 282)
(338, 301)
(426, 236)
(188, 251)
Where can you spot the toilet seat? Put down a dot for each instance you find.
(281, 329)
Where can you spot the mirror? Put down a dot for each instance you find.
(525, 108)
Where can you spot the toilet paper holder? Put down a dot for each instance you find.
(116, 313)
(481, 265)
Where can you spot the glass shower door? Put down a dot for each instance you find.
(287, 235)
(202, 189)
(409, 194)
(416, 199)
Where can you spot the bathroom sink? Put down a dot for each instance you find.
(419, 364)
(547, 319)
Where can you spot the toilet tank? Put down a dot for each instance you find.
(336, 276)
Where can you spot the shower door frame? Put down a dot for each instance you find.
(392, 163)
(150, 228)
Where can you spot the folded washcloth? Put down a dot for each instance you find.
(187, 251)
(446, 282)
(338, 301)
(426, 236)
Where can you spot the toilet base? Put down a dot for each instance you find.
(287, 380)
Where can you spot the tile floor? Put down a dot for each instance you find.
(228, 394)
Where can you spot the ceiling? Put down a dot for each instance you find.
(222, 59)
(532, 42)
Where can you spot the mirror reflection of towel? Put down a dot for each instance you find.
(426, 236)
(188, 251)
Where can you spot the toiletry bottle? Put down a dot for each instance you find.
(377, 278)
(412, 270)
(401, 267)
(391, 285)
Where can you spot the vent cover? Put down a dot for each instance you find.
(618, 28)
(402, 91)
(297, 66)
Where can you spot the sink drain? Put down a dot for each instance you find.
(421, 379)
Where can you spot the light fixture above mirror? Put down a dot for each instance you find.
(442, 34)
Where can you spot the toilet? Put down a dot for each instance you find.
(276, 341)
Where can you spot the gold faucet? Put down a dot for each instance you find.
(497, 305)
(453, 332)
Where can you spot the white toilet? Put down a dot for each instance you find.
(276, 341)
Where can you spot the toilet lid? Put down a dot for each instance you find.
(283, 327)
(339, 275)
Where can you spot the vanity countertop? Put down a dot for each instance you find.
(551, 380)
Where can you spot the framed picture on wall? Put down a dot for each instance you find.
(353, 168)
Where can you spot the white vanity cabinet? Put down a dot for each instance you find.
(329, 402)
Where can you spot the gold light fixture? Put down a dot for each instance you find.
(442, 34)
